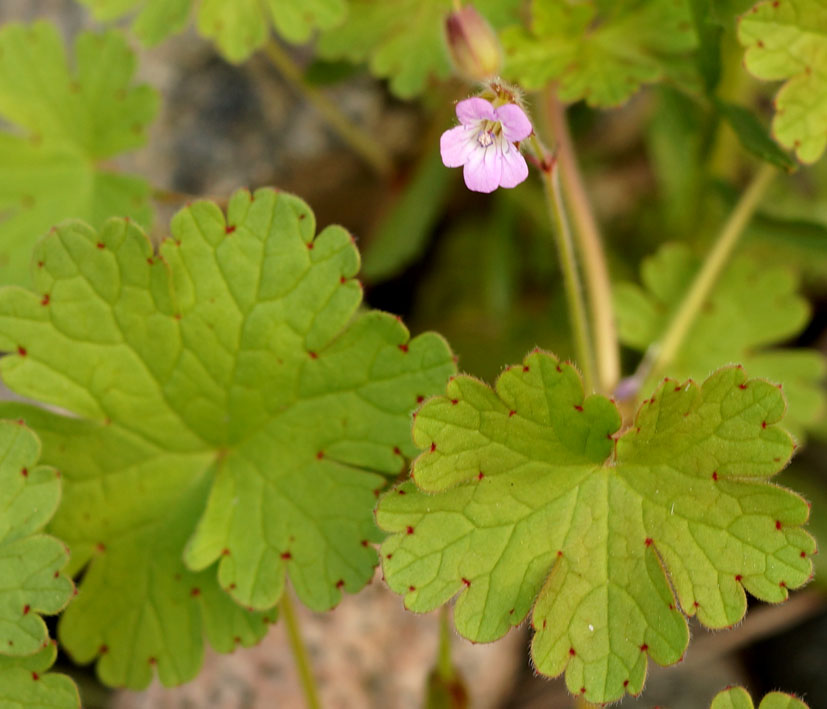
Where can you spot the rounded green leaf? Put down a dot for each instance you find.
(526, 497)
(31, 566)
(753, 307)
(235, 407)
(64, 124)
(788, 41)
(602, 57)
(738, 698)
(238, 28)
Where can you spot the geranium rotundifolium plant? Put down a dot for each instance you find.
(213, 419)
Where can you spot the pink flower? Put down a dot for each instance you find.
(484, 144)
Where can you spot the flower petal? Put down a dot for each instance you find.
(473, 110)
(483, 169)
(456, 145)
(514, 167)
(516, 125)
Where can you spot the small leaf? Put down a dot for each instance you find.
(238, 28)
(30, 566)
(526, 497)
(753, 136)
(753, 307)
(65, 124)
(788, 41)
(738, 698)
(602, 57)
(403, 40)
(232, 406)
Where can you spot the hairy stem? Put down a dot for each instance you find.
(361, 142)
(590, 249)
(568, 263)
(308, 683)
(661, 354)
(444, 664)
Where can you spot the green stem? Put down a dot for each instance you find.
(362, 143)
(568, 263)
(590, 249)
(308, 683)
(660, 355)
(444, 665)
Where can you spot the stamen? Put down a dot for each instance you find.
(485, 138)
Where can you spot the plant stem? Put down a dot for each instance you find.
(568, 263)
(308, 683)
(661, 354)
(445, 666)
(361, 142)
(589, 244)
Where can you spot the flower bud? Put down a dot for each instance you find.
(473, 44)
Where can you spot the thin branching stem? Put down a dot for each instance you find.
(361, 142)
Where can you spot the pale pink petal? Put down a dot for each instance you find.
(516, 125)
(514, 167)
(473, 110)
(483, 169)
(457, 144)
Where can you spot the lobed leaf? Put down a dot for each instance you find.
(31, 566)
(527, 499)
(738, 698)
(238, 28)
(598, 52)
(403, 40)
(63, 124)
(752, 308)
(233, 407)
(788, 41)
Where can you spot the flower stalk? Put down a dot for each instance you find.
(590, 249)
(550, 171)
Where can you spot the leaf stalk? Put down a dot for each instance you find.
(303, 665)
(660, 355)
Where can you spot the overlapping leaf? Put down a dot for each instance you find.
(403, 41)
(232, 409)
(788, 41)
(738, 698)
(31, 566)
(64, 123)
(526, 497)
(600, 52)
(753, 307)
(238, 28)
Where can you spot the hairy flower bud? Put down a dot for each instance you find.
(473, 44)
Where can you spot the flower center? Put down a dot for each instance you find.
(485, 138)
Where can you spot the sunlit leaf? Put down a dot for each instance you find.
(31, 566)
(234, 407)
(527, 499)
